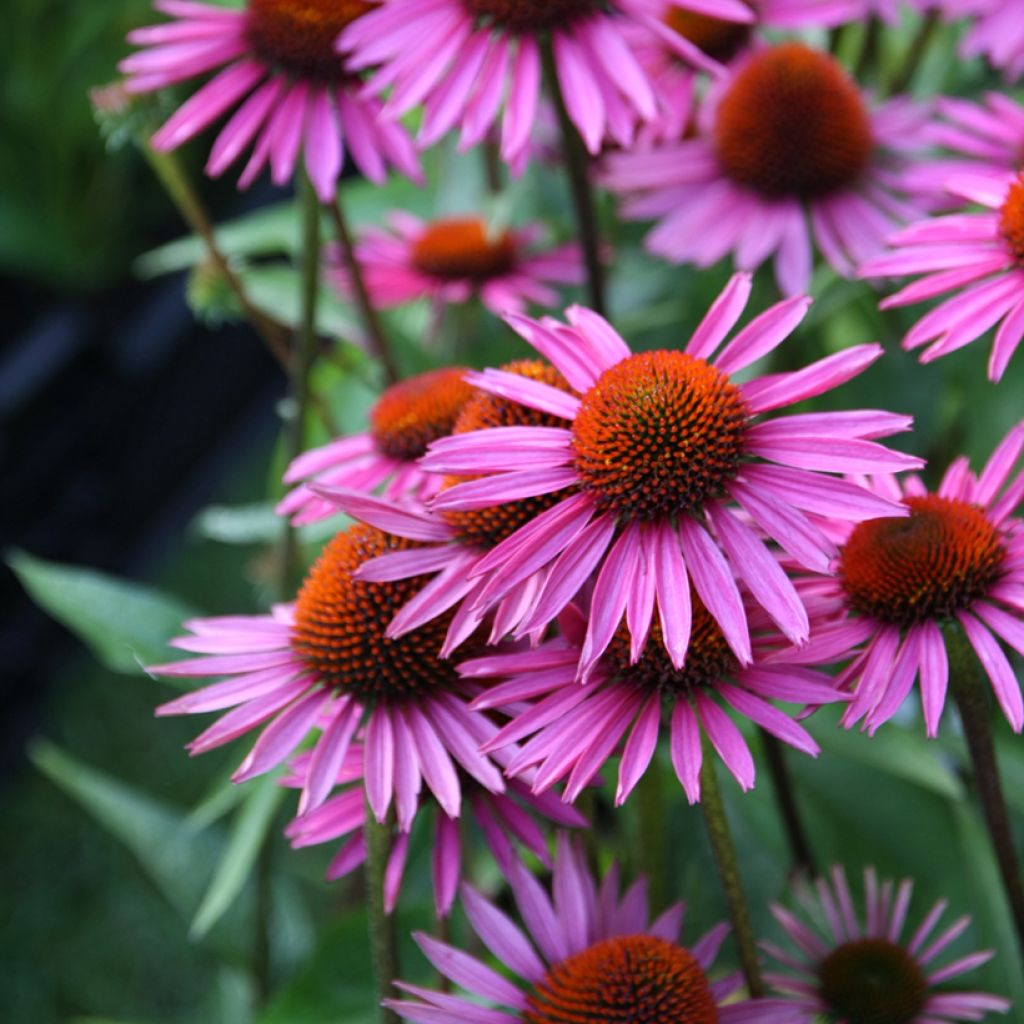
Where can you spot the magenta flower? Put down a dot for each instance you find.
(575, 728)
(403, 421)
(588, 954)
(503, 819)
(958, 558)
(451, 260)
(648, 465)
(325, 662)
(787, 139)
(855, 970)
(290, 91)
(978, 257)
(996, 33)
(987, 134)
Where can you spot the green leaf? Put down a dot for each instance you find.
(254, 523)
(277, 291)
(126, 625)
(248, 833)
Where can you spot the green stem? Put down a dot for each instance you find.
(382, 930)
(262, 945)
(492, 166)
(724, 851)
(651, 845)
(785, 797)
(868, 59)
(915, 54)
(577, 165)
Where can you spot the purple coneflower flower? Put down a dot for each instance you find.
(450, 260)
(650, 461)
(867, 971)
(290, 91)
(325, 662)
(786, 139)
(997, 32)
(588, 954)
(403, 421)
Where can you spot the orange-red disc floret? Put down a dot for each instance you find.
(414, 412)
(633, 979)
(659, 434)
(720, 40)
(340, 623)
(872, 981)
(792, 123)
(298, 36)
(489, 526)
(463, 248)
(1011, 218)
(532, 15)
(929, 565)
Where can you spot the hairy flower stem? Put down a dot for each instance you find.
(785, 798)
(577, 165)
(969, 688)
(382, 930)
(651, 840)
(371, 321)
(915, 54)
(724, 851)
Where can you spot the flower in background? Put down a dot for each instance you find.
(787, 149)
(857, 973)
(588, 954)
(978, 257)
(503, 819)
(987, 135)
(403, 421)
(997, 32)
(577, 728)
(652, 454)
(452, 259)
(957, 558)
(289, 90)
(325, 662)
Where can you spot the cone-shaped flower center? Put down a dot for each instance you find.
(872, 981)
(340, 624)
(659, 433)
(298, 36)
(1011, 218)
(709, 659)
(532, 15)
(719, 39)
(793, 124)
(933, 563)
(635, 979)
(462, 248)
(489, 526)
(414, 412)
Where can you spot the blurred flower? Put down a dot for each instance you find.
(403, 421)
(869, 973)
(978, 257)
(291, 90)
(648, 460)
(325, 662)
(588, 954)
(450, 260)
(787, 137)
(996, 33)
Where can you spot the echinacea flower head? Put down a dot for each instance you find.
(506, 820)
(956, 561)
(660, 458)
(867, 969)
(278, 71)
(787, 148)
(450, 260)
(325, 662)
(976, 259)
(587, 954)
(403, 422)
(996, 32)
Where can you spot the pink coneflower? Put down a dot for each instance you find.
(452, 259)
(650, 461)
(588, 954)
(403, 421)
(577, 728)
(864, 970)
(503, 820)
(956, 559)
(979, 257)
(289, 89)
(997, 32)
(473, 62)
(325, 662)
(990, 133)
(787, 139)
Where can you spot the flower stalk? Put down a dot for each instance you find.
(789, 812)
(383, 948)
